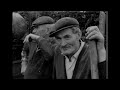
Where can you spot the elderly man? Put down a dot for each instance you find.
(41, 27)
(74, 62)
(72, 55)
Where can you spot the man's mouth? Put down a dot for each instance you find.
(66, 47)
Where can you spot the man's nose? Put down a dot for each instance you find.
(34, 31)
(63, 43)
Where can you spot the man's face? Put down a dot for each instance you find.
(40, 30)
(68, 41)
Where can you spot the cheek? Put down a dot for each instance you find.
(72, 44)
(68, 51)
(72, 47)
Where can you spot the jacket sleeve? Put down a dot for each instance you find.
(102, 70)
(40, 65)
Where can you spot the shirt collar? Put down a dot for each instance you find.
(79, 50)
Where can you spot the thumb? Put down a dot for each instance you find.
(24, 40)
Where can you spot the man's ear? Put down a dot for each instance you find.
(79, 35)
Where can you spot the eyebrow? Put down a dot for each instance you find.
(65, 36)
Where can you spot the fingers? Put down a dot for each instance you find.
(94, 33)
(90, 29)
(26, 38)
(91, 34)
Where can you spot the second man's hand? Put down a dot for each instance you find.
(32, 36)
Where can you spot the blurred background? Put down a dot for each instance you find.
(85, 18)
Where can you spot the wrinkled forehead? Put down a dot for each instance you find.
(64, 32)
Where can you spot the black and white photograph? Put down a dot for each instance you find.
(60, 45)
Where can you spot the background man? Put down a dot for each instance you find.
(41, 27)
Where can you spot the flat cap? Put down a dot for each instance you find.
(43, 30)
(43, 20)
(64, 23)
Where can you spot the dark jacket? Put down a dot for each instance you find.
(82, 68)
(40, 65)
(29, 49)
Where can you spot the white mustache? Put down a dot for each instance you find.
(67, 46)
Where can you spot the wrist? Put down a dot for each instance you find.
(100, 46)
(102, 55)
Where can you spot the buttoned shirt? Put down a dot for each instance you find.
(70, 65)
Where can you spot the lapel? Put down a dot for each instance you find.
(59, 63)
(82, 67)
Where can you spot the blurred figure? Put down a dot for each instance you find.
(19, 26)
(41, 27)
(19, 29)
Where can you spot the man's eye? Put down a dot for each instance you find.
(67, 37)
(58, 38)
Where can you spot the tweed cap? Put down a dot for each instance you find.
(43, 29)
(64, 23)
(43, 20)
